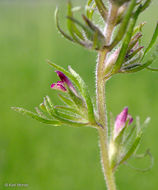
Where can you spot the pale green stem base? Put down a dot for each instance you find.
(100, 93)
(108, 173)
(103, 132)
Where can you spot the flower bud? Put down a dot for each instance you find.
(121, 120)
(111, 60)
(60, 85)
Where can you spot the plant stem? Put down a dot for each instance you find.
(103, 132)
(100, 94)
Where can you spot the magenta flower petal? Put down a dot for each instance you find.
(130, 118)
(59, 86)
(120, 122)
(66, 80)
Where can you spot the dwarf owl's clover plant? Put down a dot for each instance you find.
(119, 50)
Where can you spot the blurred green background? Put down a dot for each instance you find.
(46, 157)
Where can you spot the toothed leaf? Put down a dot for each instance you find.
(36, 117)
(68, 109)
(66, 100)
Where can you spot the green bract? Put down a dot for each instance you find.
(78, 110)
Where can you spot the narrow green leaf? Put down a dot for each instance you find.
(118, 140)
(124, 24)
(40, 113)
(68, 116)
(147, 153)
(152, 42)
(89, 2)
(126, 42)
(134, 60)
(146, 5)
(134, 40)
(85, 93)
(76, 99)
(130, 67)
(132, 149)
(135, 52)
(152, 69)
(58, 26)
(136, 68)
(63, 118)
(90, 9)
(66, 100)
(129, 136)
(70, 121)
(72, 27)
(102, 9)
(92, 26)
(88, 32)
(68, 109)
(47, 107)
(138, 28)
(42, 107)
(36, 117)
(98, 37)
(50, 102)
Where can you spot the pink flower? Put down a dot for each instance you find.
(61, 85)
(121, 121)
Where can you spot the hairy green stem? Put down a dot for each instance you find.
(100, 94)
(103, 132)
